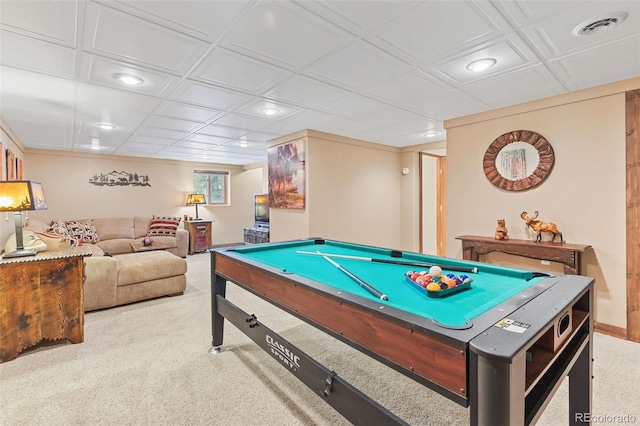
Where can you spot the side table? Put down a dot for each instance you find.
(199, 235)
(41, 298)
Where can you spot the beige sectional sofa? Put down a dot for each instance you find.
(115, 273)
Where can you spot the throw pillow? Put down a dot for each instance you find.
(59, 227)
(163, 226)
(82, 231)
(55, 242)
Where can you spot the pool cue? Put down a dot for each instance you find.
(361, 282)
(472, 270)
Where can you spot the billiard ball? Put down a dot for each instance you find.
(433, 287)
(409, 273)
(435, 271)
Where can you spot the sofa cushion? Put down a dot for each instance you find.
(36, 225)
(141, 225)
(163, 226)
(83, 231)
(116, 245)
(147, 266)
(111, 228)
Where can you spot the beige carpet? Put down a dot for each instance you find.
(147, 364)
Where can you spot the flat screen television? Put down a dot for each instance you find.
(261, 208)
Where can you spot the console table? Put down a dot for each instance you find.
(569, 255)
(41, 298)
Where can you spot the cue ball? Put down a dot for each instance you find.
(435, 271)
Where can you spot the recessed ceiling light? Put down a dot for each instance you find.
(106, 126)
(430, 134)
(481, 64)
(270, 111)
(596, 26)
(128, 79)
(244, 144)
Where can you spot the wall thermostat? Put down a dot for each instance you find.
(405, 171)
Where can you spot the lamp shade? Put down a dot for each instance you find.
(21, 195)
(195, 199)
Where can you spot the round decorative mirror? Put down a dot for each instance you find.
(518, 160)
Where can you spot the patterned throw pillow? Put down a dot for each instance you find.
(82, 231)
(163, 226)
(59, 227)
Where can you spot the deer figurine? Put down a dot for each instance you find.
(540, 227)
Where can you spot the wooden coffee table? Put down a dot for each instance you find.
(138, 246)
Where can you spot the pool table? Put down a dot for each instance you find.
(500, 347)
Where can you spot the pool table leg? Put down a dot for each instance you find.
(580, 378)
(218, 287)
(497, 391)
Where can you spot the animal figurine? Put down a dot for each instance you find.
(501, 231)
(540, 227)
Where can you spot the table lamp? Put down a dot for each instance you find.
(17, 196)
(195, 199)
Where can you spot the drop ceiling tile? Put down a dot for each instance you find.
(527, 12)
(192, 145)
(505, 88)
(172, 124)
(358, 65)
(260, 137)
(92, 134)
(593, 62)
(175, 149)
(138, 139)
(368, 110)
(30, 90)
(222, 132)
(554, 36)
(52, 132)
(414, 85)
(207, 139)
(99, 70)
(305, 91)
(225, 68)
(241, 121)
(50, 20)
(510, 53)
(317, 120)
(202, 19)
(284, 34)
(282, 128)
(429, 30)
(161, 133)
(209, 96)
(97, 98)
(359, 17)
(256, 108)
(155, 46)
(36, 55)
(448, 105)
(187, 112)
(417, 127)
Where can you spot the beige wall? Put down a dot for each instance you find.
(65, 179)
(584, 194)
(353, 192)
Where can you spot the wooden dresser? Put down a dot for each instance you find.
(41, 298)
(199, 235)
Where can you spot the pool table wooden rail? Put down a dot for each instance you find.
(404, 347)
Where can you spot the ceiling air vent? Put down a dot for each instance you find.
(597, 26)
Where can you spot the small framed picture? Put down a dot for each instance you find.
(11, 165)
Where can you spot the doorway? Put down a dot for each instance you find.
(433, 203)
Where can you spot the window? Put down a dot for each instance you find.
(214, 186)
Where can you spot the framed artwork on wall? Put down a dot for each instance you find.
(11, 165)
(286, 170)
(18, 168)
(1, 162)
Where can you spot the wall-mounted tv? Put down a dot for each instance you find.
(261, 208)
